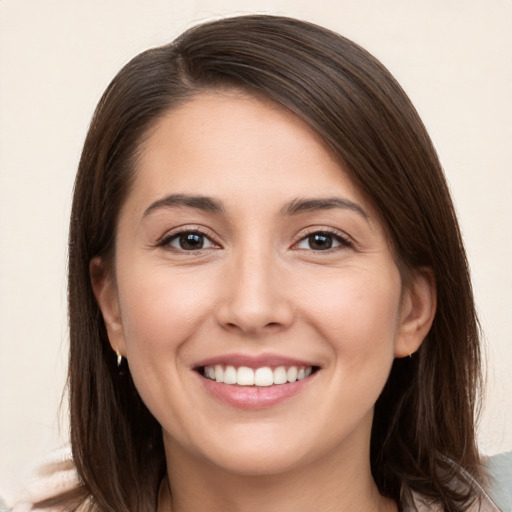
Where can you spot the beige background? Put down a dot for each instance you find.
(454, 58)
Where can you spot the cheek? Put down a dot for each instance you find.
(161, 309)
(161, 313)
(358, 313)
(361, 326)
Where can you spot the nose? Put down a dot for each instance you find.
(255, 299)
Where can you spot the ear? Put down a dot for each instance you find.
(418, 308)
(105, 291)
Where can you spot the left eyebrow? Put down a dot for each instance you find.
(301, 205)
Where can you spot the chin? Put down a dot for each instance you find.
(249, 450)
(255, 463)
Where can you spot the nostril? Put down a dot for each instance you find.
(273, 324)
(247, 327)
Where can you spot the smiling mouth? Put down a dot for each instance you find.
(264, 376)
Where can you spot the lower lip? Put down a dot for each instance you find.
(254, 397)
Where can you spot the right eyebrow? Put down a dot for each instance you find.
(204, 203)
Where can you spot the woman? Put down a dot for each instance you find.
(270, 306)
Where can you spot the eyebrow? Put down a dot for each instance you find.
(204, 203)
(294, 207)
(302, 205)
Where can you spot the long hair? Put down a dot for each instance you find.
(424, 425)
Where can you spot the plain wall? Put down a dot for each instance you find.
(454, 58)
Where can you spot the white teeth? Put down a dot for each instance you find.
(280, 375)
(245, 376)
(263, 377)
(229, 375)
(291, 374)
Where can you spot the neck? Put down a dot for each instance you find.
(334, 484)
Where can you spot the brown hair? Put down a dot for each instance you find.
(424, 431)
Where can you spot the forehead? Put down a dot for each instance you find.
(218, 141)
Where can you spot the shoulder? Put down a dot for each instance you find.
(499, 468)
(496, 497)
(53, 476)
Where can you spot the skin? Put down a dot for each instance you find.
(257, 287)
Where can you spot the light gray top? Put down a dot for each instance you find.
(500, 485)
(57, 475)
(497, 497)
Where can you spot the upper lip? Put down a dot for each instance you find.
(252, 361)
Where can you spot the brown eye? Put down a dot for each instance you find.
(323, 241)
(189, 241)
(320, 241)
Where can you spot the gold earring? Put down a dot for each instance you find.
(119, 357)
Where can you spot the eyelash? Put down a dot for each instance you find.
(343, 241)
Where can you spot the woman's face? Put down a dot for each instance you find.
(245, 253)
